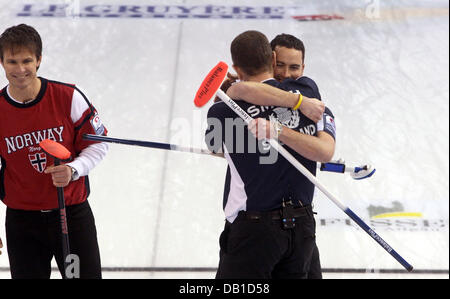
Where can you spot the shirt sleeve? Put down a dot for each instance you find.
(327, 123)
(86, 121)
(89, 158)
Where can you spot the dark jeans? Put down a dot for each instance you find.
(34, 237)
(261, 248)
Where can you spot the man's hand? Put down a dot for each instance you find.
(61, 174)
(263, 129)
(312, 108)
(226, 84)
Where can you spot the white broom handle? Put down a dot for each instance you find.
(247, 118)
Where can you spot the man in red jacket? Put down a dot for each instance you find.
(33, 108)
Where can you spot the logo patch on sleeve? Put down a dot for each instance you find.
(330, 126)
(97, 125)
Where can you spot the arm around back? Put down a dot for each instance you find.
(265, 95)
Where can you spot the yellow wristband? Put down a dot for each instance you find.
(300, 99)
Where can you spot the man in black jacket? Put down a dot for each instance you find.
(270, 229)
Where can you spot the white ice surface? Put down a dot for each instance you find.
(383, 71)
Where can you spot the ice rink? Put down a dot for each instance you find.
(381, 66)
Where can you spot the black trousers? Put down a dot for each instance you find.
(262, 248)
(315, 270)
(34, 237)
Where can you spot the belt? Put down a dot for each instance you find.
(275, 214)
(48, 211)
(31, 212)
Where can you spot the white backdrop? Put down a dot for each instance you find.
(382, 69)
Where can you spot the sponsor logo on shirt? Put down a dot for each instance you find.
(287, 117)
(97, 125)
(330, 126)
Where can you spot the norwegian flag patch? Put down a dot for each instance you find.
(38, 161)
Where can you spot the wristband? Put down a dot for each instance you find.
(300, 99)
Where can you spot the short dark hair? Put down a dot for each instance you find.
(21, 36)
(288, 41)
(251, 52)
